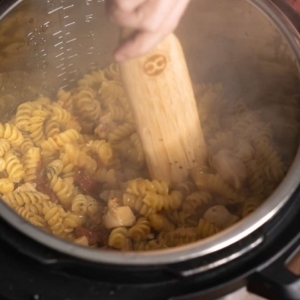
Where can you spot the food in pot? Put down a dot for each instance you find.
(75, 167)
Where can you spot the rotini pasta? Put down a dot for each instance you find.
(118, 239)
(14, 167)
(16, 199)
(30, 216)
(12, 134)
(6, 186)
(36, 126)
(140, 230)
(160, 223)
(31, 161)
(2, 164)
(76, 167)
(62, 189)
(206, 229)
(4, 146)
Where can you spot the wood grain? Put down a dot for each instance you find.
(164, 106)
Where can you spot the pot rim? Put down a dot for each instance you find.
(215, 243)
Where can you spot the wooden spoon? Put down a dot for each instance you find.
(161, 95)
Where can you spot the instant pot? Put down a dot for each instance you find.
(252, 48)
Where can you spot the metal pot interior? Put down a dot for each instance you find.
(45, 45)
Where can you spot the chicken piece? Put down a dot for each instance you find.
(220, 216)
(82, 241)
(117, 215)
(26, 187)
(230, 168)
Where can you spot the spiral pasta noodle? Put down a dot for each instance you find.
(6, 186)
(136, 203)
(2, 164)
(12, 134)
(30, 216)
(59, 114)
(118, 239)
(206, 229)
(54, 216)
(16, 199)
(179, 236)
(14, 167)
(36, 126)
(141, 187)
(149, 245)
(80, 158)
(23, 115)
(31, 161)
(27, 143)
(102, 149)
(121, 132)
(65, 100)
(195, 200)
(160, 223)
(52, 128)
(76, 167)
(89, 108)
(62, 189)
(58, 141)
(166, 202)
(55, 168)
(79, 204)
(4, 146)
(140, 230)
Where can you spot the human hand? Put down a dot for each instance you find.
(152, 20)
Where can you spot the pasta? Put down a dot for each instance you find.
(75, 167)
(31, 161)
(15, 199)
(2, 164)
(52, 128)
(30, 216)
(36, 126)
(160, 223)
(140, 230)
(118, 239)
(62, 189)
(6, 186)
(12, 134)
(14, 167)
(4, 146)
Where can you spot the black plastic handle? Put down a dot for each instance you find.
(275, 281)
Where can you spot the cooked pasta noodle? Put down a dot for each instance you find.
(31, 161)
(75, 167)
(140, 230)
(4, 146)
(12, 134)
(14, 167)
(6, 186)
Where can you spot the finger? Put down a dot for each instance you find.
(143, 42)
(155, 13)
(139, 45)
(148, 16)
(123, 12)
(158, 12)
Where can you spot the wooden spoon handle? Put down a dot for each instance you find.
(161, 96)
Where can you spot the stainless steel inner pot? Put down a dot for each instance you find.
(248, 46)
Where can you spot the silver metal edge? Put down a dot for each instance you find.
(11, 7)
(220, 241)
